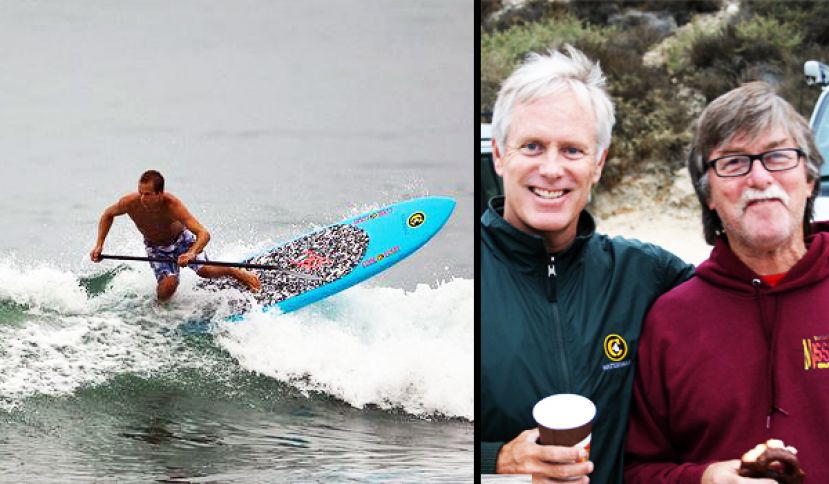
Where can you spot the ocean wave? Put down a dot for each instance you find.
(368, 346)
(63, 332)
(371, 346)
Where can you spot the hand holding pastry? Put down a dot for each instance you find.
(774, 460)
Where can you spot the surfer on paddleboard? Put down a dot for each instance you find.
(170, 231)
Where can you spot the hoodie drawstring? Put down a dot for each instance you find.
(769, 361)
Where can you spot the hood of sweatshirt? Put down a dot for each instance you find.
(724, 269)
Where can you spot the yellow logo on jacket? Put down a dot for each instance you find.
(615, 347)
(816, 353)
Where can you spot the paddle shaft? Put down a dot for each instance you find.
(212, 263)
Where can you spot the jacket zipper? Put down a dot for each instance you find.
(552, 290)
(552, 298)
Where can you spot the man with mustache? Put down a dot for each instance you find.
(561, 305)
(740, 353)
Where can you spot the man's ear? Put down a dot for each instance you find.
(597, 171)
(497, 159)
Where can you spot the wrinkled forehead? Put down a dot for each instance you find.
(752, 140)
(564, 89)
(552, 103)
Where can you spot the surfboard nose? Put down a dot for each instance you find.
(440, 205)
(446, 203)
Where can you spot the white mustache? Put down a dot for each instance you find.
(751, 194)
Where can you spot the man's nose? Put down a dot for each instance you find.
(551, 164)
(758, 176)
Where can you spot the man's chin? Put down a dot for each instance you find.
(768, 238)
(539, 222)
(544, 223)
(777, 221)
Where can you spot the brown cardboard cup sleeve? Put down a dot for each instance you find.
(565, 419)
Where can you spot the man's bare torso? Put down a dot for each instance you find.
(159, 225)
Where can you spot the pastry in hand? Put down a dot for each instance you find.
(773, 460)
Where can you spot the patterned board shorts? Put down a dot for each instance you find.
(163, 269)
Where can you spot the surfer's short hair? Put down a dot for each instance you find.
(154, 177)
(749, 110)
(555, 73)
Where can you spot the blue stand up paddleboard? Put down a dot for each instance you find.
(342, 255)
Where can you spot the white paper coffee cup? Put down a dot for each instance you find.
(565, 419)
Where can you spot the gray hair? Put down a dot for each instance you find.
(542, 75)
(750, 109)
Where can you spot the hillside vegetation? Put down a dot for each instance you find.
(664, 61)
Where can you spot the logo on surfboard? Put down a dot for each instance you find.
(372, 216)
(311, 260)
(379, 257)
(416, 219)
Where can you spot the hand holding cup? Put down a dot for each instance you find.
(565, 420)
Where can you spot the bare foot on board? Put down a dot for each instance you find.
(250, 280)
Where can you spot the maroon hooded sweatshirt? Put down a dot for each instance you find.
(726, 362)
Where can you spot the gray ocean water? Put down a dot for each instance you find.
(268, 119)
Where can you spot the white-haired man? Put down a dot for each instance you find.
(561, 306)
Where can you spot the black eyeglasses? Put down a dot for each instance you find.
(739, 165)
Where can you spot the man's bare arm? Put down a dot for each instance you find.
(180, 212)
(118, 208)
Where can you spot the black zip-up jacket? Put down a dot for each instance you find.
(563, 323)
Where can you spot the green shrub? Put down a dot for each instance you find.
(678, 52)
(763, 39)
(600, 12)
(809, 16)
(657, 103)
(503, 51)
(714, 61)
(650, 134)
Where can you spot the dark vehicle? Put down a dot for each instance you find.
(491, 184)
(818, 73)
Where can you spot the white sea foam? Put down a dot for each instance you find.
(371, 345)
(367, 346)
(56, 338)
(40, 286)
(57, 359)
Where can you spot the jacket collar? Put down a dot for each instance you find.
(528, 250)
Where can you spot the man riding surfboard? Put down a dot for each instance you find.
(171, 232)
